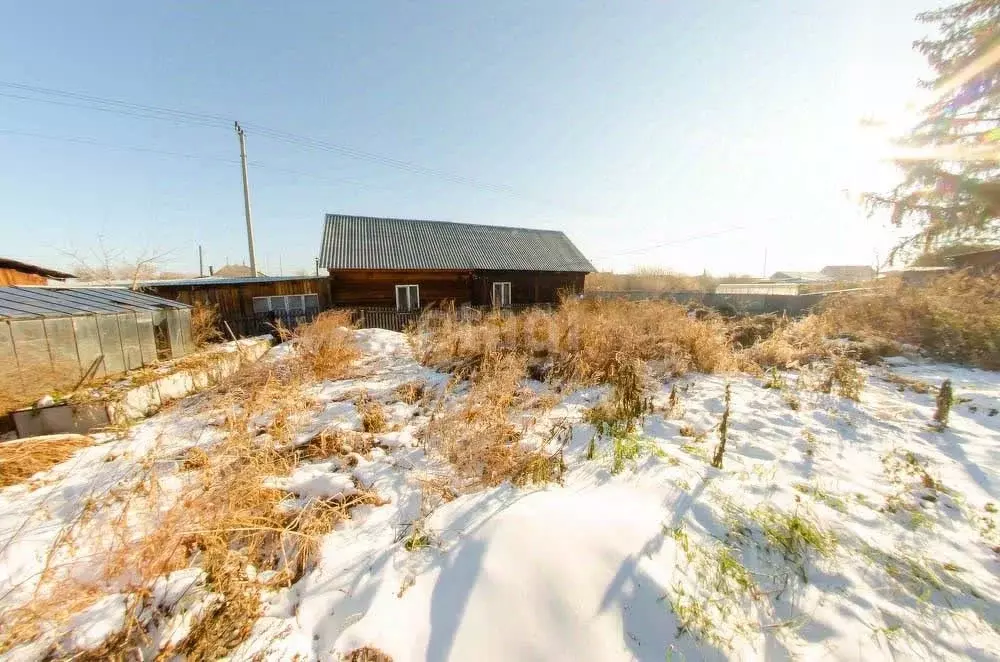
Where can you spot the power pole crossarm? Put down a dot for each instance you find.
(246, 198)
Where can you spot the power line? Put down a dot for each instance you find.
(143, 111)
(201, 157)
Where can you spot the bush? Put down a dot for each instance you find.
(205, 324)
(956, 318)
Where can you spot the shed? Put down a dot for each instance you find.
(851, 273)
(800, 276)
(409, 264)
(62, 334)
(13, 272)
(981, 262)
(250, 304)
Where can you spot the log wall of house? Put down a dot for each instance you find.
(360, 288)
(236, 301)
(526, 286)
(10, 277)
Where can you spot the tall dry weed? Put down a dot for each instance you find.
(206, 324)
(581, 341)
(480, 440)
(230, 519)
(956, 318)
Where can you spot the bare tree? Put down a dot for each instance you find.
(104, 264)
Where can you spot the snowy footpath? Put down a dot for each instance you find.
(835, 529)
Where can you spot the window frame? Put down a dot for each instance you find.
(504, 285)
(287, 307)
(408, 289)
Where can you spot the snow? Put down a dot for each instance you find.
(634, 565)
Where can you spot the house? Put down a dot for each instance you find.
(13, 272)
(234, 271)
(799, 277)
(849, 273)
(982, 262)
(409, 264)
(250, 305)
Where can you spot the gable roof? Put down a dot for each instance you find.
(364, 242)
(24, 267)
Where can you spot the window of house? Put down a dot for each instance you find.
(407, 297)
(292, 304)
(501, 295)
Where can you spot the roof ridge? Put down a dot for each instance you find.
(459, 223)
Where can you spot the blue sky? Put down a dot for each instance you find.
(635, 127)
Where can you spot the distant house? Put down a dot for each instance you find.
(984, 261)
(234, 271)
(13, 272)
(849, 273)
(409, 264)
(799, 277)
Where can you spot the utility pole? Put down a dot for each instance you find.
(201, 263)
(246, 198)
(317, 266)
(764, 273)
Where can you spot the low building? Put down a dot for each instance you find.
(800, 277)
(407, 265)
(982, 262)
(849, 273)
(54, 336)
(13, 272)
(248, 305)
(765, 288)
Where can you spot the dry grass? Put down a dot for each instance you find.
(647, 280)
(229, 518)
(411, 392)
(205, 324)
(582, 341)
(479, 439)
(956, 318)
(367, 654)
(372, 414)
(20, 460)
(325, 346)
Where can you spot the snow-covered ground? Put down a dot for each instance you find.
(835, 530)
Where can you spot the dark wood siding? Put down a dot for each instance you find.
(359, 288)
(236, 301)
(526, 286)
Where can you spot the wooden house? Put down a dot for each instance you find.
(409, 264)
(13, 272)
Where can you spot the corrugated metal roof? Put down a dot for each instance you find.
(214, 281)
(363, 242)
(27, 302)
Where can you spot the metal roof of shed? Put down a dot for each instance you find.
(216, 281)
(364, 242)
(40, 302)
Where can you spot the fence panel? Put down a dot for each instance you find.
(264, 324)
